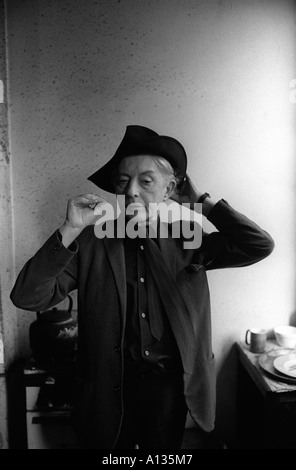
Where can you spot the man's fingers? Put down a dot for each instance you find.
(89, 199)
(93, 197)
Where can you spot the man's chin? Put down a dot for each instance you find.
(140, 214)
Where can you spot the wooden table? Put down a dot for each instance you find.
(266, 407)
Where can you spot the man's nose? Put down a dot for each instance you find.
(132, 189)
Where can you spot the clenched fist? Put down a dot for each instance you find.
(80, 210)
(80, 214)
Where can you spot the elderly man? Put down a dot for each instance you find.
(144, 351)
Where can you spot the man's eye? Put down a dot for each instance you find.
(146, 181)
(122, 182)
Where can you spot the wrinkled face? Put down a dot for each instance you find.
(142, 182)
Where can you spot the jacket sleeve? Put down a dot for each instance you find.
(238, 242)
(47, 277)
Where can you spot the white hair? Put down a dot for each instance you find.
(167, 169)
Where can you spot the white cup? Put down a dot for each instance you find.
(256, 339)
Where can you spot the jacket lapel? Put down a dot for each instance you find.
(173, 302)
(115, 253)
(168, 249)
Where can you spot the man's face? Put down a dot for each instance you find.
(141, 181)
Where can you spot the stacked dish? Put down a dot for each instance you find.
(280, 363)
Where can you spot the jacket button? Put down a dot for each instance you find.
(56, 248)
(117, 388)
(117, 349)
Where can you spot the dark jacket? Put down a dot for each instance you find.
(96, 268)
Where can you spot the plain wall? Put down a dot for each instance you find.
(215, 75)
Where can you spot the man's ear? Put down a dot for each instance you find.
(169, 190)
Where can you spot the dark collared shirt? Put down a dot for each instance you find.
(149, 342)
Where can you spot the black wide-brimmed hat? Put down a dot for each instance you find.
(139, 140)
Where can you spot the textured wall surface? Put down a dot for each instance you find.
(214, 74)
(8, 315)
(3, 415)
